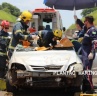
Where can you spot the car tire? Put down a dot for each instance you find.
(77, 94)
(9, 87)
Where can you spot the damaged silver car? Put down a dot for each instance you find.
(44, 67)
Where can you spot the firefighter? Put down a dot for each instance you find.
(48, 37)
(20, 31)
(4, 42)
(88, 52)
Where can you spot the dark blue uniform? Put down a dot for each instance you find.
(76, 44)
(81, 33)
(19, 33)
(4, 42)
(45, 38)
(87, 47)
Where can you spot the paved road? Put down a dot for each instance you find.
(44, 92)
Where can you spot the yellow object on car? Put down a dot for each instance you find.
(65, 42)
(41, 48)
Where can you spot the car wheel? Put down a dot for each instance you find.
(10, 88)
(77, 94)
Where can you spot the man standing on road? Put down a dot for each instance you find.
(20, 31)
(88, 52)
(4, 42)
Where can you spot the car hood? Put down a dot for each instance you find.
(44, 58)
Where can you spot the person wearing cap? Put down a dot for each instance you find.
(4, 42)
(48, 37)
(20, 31)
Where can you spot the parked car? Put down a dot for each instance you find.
(44, 67)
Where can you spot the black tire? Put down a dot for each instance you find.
(10, 88)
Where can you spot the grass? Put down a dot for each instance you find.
(6, 16)
(94, 14)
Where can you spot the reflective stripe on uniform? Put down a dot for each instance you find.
(86, 35)
(25, 37)
(4, 37)
(73, 40)
(23, 30)
(11, 47)
(1, 53)
(18, 31)
(40, 32)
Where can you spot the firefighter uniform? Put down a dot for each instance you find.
(4, 42)
(87, 48)
(19, 33)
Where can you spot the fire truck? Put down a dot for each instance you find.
(48, 18)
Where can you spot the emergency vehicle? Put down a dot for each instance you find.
(50, 19)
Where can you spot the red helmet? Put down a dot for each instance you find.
(5, 24)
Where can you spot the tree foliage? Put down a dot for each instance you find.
(10, 9)
(88, 11)
(0, 7)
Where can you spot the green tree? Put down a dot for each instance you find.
(10, 9)
(0, 7)
(6, 10)
(88, 11)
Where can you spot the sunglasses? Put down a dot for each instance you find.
(6, 28)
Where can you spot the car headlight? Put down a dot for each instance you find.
(78, 67)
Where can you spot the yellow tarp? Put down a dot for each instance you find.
(41, 48)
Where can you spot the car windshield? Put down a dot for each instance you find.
(31, 48)
(42, 48)
(64, 44)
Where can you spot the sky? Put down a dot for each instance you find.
(67, 16)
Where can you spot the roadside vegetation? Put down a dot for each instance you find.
(6, 16)
(9, 12)
(11, 9)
